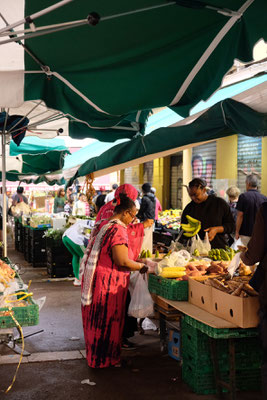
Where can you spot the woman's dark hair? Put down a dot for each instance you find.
(60, 190)
(197, 183)
(20, 189)
(125, 203)
(100, 201)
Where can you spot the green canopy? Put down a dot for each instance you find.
(34, 158)
(225, 118)
(110, 69)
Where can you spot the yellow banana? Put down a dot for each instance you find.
(192, 221)
(188, 227)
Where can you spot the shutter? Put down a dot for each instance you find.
(148, 172)
(131, 175)
(248, 159)
(204, 162)
(176, 180)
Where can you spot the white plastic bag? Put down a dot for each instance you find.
(148, 239)
(234, 264)
(202, 246)
(141, 305)
(237, 243)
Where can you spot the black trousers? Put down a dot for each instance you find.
(263, 338)
(130, 323)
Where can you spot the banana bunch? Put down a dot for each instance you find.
(145, 254)
(192, 228)
(226, 254)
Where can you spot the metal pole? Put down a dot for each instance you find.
(4, 211)
(36, 15)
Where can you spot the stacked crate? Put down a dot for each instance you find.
(37, 247)
(18, 235)
(197, 367)
(59, 259)
(27, 244)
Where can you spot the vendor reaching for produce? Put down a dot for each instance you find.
(213, 213)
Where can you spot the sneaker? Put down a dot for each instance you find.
(127, 345)
(76, 282)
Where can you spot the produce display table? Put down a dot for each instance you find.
(216, 333)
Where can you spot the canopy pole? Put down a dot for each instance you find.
(38, 14)
(208, 52)
(4, 210)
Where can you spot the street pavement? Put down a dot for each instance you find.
(57, 366)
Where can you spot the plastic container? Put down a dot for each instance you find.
(170, 289)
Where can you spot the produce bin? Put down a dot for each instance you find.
(59, 259)
(38, 247)
(26, 316)
(170, 289)
(197, 367)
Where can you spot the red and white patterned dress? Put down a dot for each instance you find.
(103, 319)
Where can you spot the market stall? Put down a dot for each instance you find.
(208, 316)
(39, 237)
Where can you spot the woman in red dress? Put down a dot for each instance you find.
(105, 278)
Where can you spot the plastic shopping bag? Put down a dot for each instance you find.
(202, 246)
(237, 242)
(141, 305)
(148, 240)
(234, 264)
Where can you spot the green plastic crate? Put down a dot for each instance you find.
(170, 289)
(196, 348)
(26, 316)
(204, 383)
(153, 284)
(221, 333)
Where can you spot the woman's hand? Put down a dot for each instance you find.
(148, 223)
(143, 269)
(212, 232)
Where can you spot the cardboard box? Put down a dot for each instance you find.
(200, 294)
(242, 311)
(174, 344)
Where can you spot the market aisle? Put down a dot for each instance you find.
(60, 317)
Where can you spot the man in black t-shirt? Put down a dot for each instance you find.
(247, 207)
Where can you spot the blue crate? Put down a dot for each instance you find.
(174, 344)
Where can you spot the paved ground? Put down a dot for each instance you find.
(148, 375)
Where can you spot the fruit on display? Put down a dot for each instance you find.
(7, 274)
(145, 254)
(157, 254)
(226, 254)
(170, 219)
(192, 227)
(40, 219)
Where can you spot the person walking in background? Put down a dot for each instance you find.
(19, 196)
(110, 195)
(59, 201)
(158, 207)
(81, 207)
(233, 193)
(247, 207)
(148, 204)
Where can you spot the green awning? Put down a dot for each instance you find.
(35, 158)
(225, 118)
(142, 54)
